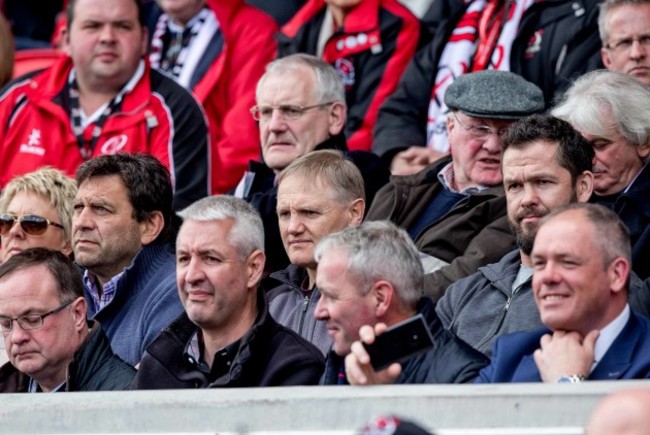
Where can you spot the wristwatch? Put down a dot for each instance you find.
(570, 379)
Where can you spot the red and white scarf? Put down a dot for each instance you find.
(482, 39)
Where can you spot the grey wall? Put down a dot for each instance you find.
(452, 409)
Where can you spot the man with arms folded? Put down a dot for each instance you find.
(47, 336)
(371, 275)
(120, 226)
(454, 209)
(581, 261)
(225, 337)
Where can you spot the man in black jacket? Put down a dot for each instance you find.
(371, 275)
(43, 321)
(225, 337)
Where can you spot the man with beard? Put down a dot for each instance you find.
(546, 165)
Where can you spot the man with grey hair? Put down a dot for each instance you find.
(624, 27)
(300, 108)
(371, 275)
(610, 109)
(318, 194)
(225, 337)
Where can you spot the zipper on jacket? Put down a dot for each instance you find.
(503, 315)
(303, 313)
(481, 345)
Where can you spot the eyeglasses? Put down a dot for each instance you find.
(625, 44)
(287, 111)
(31, 224)
(28, 321)
(481, 131)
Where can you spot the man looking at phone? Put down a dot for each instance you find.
(372, 274)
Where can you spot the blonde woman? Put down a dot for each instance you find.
(36, 211)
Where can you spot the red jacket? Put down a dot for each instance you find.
(157, 117)
(227, 90)
(370, 52)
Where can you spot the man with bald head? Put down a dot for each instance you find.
(581, 268)
(625, 412)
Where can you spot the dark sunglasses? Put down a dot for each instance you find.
(31, 224)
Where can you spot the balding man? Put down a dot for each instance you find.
(581, 266)
(625, 412)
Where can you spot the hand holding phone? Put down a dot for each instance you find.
(400, 342)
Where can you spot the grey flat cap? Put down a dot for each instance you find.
(495, 95)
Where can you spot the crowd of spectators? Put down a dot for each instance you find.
(196, 194)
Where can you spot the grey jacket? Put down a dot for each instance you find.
(481, 307)
(291, 308)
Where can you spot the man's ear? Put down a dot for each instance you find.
(65, 40)
(604, 54)
(337, 116)
(255, 267)
(151, 227)
(145, 41)
(79, 310)
(584, 186)
(356, 210)
(450, 124)
(618, 271)
(383, 293)
(643, 151)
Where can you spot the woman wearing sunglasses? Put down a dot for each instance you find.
(36, 211)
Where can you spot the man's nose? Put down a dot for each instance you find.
(320, 312)
(295, 224)
(82, 219)
(107, 33)
(529, 195)
(277, 121)
(492, 143)
(194, 272)
(17, 334)
(637, 50)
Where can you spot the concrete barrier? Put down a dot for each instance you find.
(450, 409)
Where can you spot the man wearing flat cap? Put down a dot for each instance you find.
(454, 209)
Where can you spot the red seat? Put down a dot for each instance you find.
(31, 60)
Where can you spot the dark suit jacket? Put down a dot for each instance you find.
(627, 358)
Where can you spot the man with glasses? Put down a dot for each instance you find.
(46, 334)
(454, 209)
(624, 27)
(300, 108)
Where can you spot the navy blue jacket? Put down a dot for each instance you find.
(633, 208)
(627, 358)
